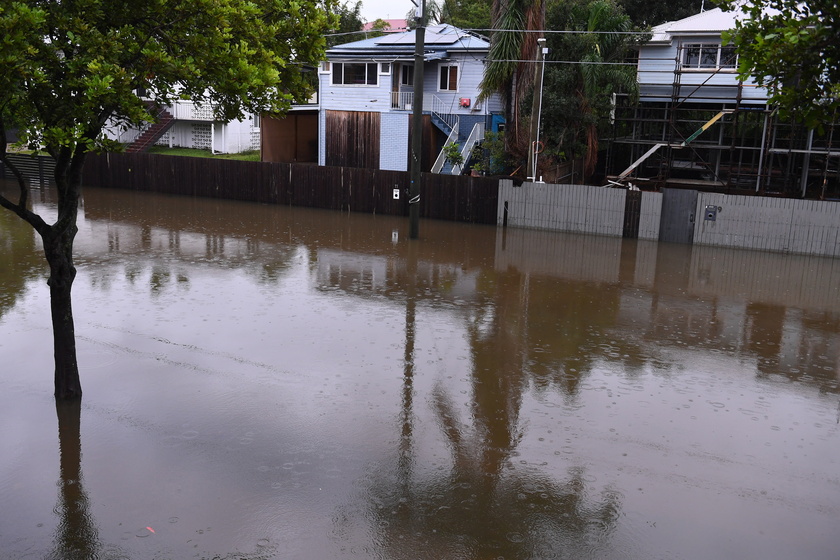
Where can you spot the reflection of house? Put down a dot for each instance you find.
(184, 124)
(366, 275)
(687, 78)
(367, 92)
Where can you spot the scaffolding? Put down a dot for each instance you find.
(749, 149)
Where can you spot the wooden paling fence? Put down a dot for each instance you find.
(445, 197)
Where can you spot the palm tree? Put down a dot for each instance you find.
(578, 93)
(509, 71)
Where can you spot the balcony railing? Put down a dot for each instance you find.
(402, 100)
(189, 111)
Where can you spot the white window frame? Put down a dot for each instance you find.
(446, 66)
(371, 73)
(697, 57)
(325, 67)
(385, 68)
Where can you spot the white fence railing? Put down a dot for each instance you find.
(189, 111)
(444, 111)
(441, 159)
(476, 136)
(402, 100)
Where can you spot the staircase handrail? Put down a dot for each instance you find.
(441, 159)
(444, 112)
(476, 135)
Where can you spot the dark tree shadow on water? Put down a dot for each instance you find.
(76, 536)
(479, 501)
(483, 504)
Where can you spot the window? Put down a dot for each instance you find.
(354, 74)
(325, 67)
(407, 75)
(699, 56)
(448, 78)
(384, 67)
(728, 58)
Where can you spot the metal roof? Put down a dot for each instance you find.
(709, 22)
(439, 41)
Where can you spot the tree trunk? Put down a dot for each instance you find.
(59, 253)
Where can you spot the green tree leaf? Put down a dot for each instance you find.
(791, 48)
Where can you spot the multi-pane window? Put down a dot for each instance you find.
(448, 78)
(708, 55)
(354, 73)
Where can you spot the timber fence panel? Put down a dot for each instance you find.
(461, 198)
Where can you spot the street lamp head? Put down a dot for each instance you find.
(541, 41)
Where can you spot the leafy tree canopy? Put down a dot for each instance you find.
(67, 67)
(792, 48)
(578, 90)
(466, 14)
(348, 24)
(647, 13)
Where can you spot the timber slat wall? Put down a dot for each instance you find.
(353, 139)
(445, 197)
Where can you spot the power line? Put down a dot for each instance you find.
(542, 31)
(569, 62)
(563, 31)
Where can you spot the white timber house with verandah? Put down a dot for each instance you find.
(701, 126)
(186, 124)
(367, 97)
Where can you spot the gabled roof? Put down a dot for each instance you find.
(710, 22)
(440, 41)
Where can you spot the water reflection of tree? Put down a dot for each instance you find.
(814, 360)
(484, 504)
(19, 259)
(76, 536)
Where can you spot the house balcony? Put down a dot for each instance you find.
(189, 111)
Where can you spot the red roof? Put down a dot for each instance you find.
(394, 26)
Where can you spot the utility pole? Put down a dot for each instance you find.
(417, 123)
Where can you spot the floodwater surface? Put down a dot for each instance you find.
(265, 382)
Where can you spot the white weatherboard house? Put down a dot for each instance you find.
(697, 125)
(367, 95)
(184, 124)
(689, 54)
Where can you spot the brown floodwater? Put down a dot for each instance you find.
(267, 382)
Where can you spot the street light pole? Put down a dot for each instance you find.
(543, 52)
(417, 125)
(536, 110)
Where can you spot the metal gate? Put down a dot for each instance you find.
(678, 215)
